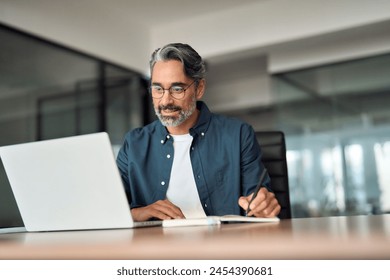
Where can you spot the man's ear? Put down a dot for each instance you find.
(200, 89)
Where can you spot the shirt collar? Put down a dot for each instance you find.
(203, 122)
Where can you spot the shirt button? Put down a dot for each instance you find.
(162, 141)
(202, 134)
(192, 148)
(168, 136)
(162, 183)
(198, 176)
(205, 205)
(168, 156)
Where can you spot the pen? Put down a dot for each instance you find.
(262, 176)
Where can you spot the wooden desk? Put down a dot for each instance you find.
(355, 237)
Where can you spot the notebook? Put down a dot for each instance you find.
(217, 220)
(70, 183)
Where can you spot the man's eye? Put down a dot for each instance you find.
(176, 89)
(157, 88)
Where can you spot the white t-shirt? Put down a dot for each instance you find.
(182, 189)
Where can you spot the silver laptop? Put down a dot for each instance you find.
(70, 183)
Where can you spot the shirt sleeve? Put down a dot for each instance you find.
(251, 164)
(122, 163)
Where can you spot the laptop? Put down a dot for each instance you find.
(70, 183)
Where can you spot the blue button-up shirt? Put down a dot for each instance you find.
(225, 158)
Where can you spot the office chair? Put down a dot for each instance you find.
(273, 147)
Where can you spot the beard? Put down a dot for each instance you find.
(174, 121)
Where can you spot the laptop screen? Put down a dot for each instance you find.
(69, 183)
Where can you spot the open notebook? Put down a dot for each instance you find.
(70, 183)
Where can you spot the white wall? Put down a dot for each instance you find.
(360, 42)
(237, 85)
(266, 24)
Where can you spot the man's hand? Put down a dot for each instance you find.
(264, 205)
(162, 210)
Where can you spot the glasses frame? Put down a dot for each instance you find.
(170, 92)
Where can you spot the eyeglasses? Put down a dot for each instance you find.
(176, 91)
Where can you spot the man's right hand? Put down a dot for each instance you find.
(161, 209)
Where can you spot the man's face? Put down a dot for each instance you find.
(170, 111)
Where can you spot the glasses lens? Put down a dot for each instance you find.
(156, 91)
(177, 92)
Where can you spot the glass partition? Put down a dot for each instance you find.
(48, 91)
(337, 124)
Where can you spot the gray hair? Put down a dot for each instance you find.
(194, 66)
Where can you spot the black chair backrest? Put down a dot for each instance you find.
(273, 147)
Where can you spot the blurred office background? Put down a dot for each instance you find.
(317, 70)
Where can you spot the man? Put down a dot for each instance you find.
(190, 163)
